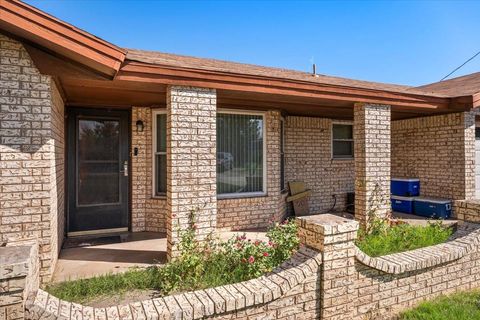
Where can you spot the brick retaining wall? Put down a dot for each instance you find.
(329, 278)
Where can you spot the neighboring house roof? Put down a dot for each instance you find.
(460, 86)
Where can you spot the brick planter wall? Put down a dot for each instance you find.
(19, 277)
(329, 278)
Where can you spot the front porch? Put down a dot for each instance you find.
(88, 257)
(223, 152)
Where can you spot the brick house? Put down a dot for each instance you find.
(99, 139)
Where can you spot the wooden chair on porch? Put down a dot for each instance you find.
(299, 195)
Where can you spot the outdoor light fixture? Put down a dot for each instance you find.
(139, 125)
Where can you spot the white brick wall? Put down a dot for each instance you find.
(148, 212)
(308, 158)
(31, 155)
(440, 151)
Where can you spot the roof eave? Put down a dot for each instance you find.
(54, 35)
(145, 72)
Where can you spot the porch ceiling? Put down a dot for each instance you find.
(120, 93)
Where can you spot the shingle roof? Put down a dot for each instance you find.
(460, 86)
(181, 61)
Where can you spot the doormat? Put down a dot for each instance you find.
(87, 242)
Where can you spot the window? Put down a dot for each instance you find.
(282, 154)
(342, 141)
(160, 153)
(240, 154)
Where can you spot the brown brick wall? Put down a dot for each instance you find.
(31, 155)
(308, 158)
(148, 212)
(439, 150)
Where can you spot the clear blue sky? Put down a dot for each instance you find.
(412, 42)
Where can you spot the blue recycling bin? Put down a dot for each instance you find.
(405, 187)
(402, 204)
(432, 207)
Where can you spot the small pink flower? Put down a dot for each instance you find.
(251, 260)
(270, 243)
(265, 254)
(257, 243)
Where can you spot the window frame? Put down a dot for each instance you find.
(332, 140)
(264, 192)
(283, 187)
(154, 154)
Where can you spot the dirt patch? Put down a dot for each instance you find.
(122, 298)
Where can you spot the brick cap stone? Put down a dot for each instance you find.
(327, 224)
(463, 242)
(14, 261)
(190, 305)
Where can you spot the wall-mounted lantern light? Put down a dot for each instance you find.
(139, 125)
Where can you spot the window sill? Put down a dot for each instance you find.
(351, 158)
(242, 195)
(159, 197)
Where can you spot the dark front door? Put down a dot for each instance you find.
(98, 149)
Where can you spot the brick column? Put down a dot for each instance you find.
(191, 162)
(372, 161)
(333, 236)
(469, 145)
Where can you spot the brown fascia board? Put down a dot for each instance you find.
(144, 72)
(37, 27)
(476, 100)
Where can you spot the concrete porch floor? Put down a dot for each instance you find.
(139, 249)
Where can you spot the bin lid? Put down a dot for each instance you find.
(406, 179)
(394, 197)
(434, 200)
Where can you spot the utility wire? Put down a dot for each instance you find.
(456, 69)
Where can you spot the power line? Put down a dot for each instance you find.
(455, 70)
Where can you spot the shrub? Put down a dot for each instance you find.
(382, 238)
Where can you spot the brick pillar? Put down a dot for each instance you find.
(372, 161)
(191, 162)
(469, 144)
(334, 236)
